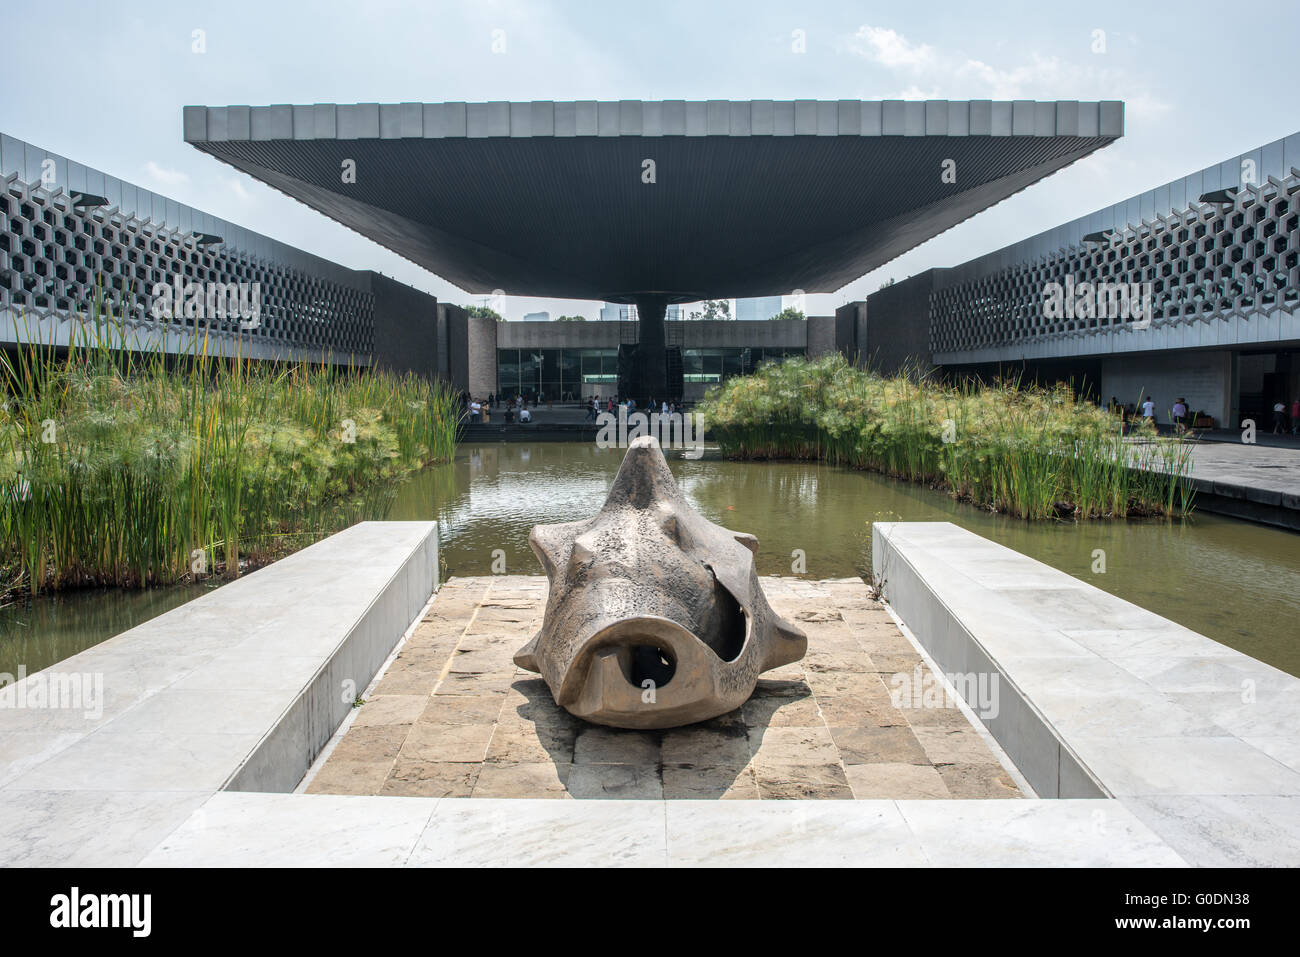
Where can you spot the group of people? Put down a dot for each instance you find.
(611, 403)
(1180, 414)
(1285, 419)
(1281, 420)
(481, 410)
(519, 407)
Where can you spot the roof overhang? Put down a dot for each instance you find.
(750, 198)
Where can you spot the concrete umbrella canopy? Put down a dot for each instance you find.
(655, 617)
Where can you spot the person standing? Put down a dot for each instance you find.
(1149, 409)
(1180, 415)
(1295, 416)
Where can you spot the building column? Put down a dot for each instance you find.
(650, 353)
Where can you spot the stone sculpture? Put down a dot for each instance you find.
(655, 617)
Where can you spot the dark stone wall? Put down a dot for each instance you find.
(821, 336)
(456, 321)
(850, 330)
(406, 327)
(898, 325)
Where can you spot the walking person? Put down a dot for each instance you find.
(1180, 415)
(1295, 416)
(1279, 417)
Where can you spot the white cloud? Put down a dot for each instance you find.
(890, 49)
(914, 92)
(163, 175)
(934, 73)
(237, 187)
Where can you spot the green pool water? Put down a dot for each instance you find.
(1236, 582)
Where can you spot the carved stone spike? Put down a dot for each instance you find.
(655, 617)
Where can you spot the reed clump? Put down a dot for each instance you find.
(1026, 451)
(132, 467)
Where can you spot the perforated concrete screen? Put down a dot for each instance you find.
(1207, 261)
(61, 248)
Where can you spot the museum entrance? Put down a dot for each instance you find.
(1263, 380)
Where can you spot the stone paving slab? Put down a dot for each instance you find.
(1267, 468)
(1251, 481)
(452, 716)
(305, 830)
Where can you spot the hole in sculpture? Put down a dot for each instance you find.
(727, 636)
(651, 663)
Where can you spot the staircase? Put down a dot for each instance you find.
(629, 334)
(674, 366)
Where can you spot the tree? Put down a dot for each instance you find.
(789, 312)
(714, 309)
(571, 319)
(483, 312)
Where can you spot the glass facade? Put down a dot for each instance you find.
(714, 365)
(562, 374)
(571, 374)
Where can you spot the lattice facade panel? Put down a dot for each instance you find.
(56, 257)
(1204, 263)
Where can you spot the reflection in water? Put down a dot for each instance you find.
(37, 634)
(1236, 582)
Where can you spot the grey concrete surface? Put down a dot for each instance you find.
(644, 193)
(269, 830)
(238, 689)
(1099, 697)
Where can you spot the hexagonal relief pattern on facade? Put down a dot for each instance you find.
(1207, 262)
(57, 257)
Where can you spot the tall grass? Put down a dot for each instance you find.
(128, 466)
(1031, 452)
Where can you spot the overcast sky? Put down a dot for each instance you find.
(104, 83)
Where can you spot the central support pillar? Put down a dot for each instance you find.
(652, 368)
